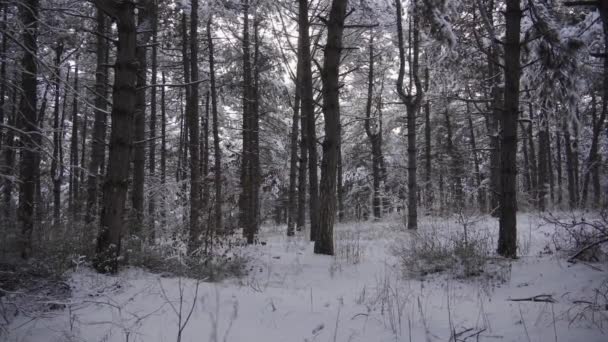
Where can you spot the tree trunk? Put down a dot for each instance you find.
(28, 165)
(533, 163)
(308, 113)
(302, 167)
(569, 166)
(153, 113)
(216, 134)
(412, 103)
(593, 160)
(373, 136)
(455, 164)
(123, 108)
(95, 172)
(428, 187)
(331, 112)
(139, 148)
(74, 171)
(163, 147)
(3, 80)
(193, 130)
(292, 205)
(558, 161)
(507, 237)
(481, 194)
(57, 141)
(543, 159)
(9, 156)
(339, 185)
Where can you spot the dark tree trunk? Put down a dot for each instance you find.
(428, 187)
(98, 142)
(123, 108)
(153, 113)
(139, 148)
(374, 135)
(569, 166)
(28, 165)
(543, 159)
(455, 164)
(74, 171)
(493, 132)
(292, 205)
(309, 135)
(9, 157)
(163, 146)
(324, 244)
(339, 185)
(302, 167)
(216, 135)
(57, 141)
(481, 194)
(249, 202)
(558, 162)
(193, 132)
(507, 237)
(593, 160)
(3, 58)
(412, 103)
(526, 173)
(532, 154)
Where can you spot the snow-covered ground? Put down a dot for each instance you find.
(290, 294)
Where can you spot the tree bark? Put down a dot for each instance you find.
(292, 205)
(163, 147)
(57, 141)
(216, 135)
(412, 103)
(153, 113)
(507, 236)
(331, 112)
(123, 108)
(98, 142)
(193, 130)
(481, 194)
(593, 160)
(428, 187)
(74, 171)
(139, 148)
(309, 135)
(374, 136)
(28, 165)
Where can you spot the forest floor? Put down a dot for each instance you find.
(364, 293)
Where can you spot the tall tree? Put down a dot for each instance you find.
(307, 112)
(217, 155)
(57, 141)
(139, 156)
(29, 162)
(330, 76)
(194, 136)
(98, 140)
(153, 117)
(374, 134)
(123, 108)
(74, 185)
(292, 206)
(412, 100)
(507, 237)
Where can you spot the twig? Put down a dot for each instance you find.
(543, 298)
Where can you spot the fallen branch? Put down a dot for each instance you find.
(599, 242)
(544, 298)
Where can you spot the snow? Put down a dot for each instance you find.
(291, 294)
